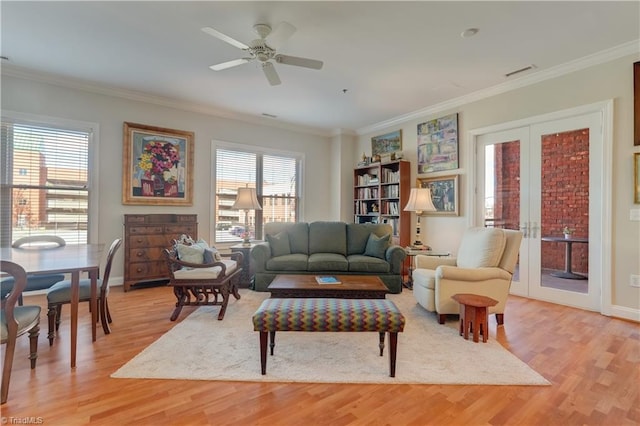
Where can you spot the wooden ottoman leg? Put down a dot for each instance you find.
(393, 346)
(263, 352)
(272, 341)
(381, 343)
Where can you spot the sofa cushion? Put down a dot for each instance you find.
(299, 238)
(377, 246)
(279, 244)
(288, 262)
(361, 263)
(212, 272)
(481, 248)
(358, 235)
(328, 237)
(327, 262)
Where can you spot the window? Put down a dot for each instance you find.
(44, 180)
(274, 176)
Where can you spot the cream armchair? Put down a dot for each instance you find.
(485, 263)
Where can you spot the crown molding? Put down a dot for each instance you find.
(87, 86)
(630, 48)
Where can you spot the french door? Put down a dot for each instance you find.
(543, 178)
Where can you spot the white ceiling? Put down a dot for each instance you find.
(394, 58)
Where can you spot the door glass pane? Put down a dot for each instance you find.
(565, 205)
(502, 187)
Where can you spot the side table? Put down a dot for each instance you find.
(474, 315)
(247, 271)
(411, 253)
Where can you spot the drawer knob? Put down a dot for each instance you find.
(140, 253)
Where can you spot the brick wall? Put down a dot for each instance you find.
(565, 193)
(565, 196)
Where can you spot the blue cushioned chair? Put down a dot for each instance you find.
(34, 282)
(16, 321)
(60, 294)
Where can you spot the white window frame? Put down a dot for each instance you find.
(233, 146)
(93, 129)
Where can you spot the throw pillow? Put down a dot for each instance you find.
(377, 246)
(211, 255)
(191, 254)
(279, 244)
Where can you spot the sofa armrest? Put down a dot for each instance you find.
(395, 255)
(432, 262)
(260, 253)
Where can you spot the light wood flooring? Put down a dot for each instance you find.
(592, 361)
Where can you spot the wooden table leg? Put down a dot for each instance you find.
(75, 298)
(94, 303)
(477, 315)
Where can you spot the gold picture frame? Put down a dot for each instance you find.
(387, 143)
(158, 166)
(636, 178)
(636, 103)
(444, 194)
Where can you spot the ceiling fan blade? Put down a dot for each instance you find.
(280, 34)
(299, 62)
(229, 64)
(271, 74)
(217, 34)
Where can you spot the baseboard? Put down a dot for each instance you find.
(626, 313)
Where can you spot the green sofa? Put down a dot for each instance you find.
(328, 248)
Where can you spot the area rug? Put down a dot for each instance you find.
(203, 348)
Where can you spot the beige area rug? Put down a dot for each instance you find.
(203, 348)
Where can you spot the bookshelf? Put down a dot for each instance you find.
(380, 192)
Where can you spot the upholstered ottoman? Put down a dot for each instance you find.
(379, 315)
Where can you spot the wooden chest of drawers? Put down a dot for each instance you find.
(145, 236)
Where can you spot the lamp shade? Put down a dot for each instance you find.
(420, 201)
(246, 200)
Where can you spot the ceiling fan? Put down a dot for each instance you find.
(265, 53)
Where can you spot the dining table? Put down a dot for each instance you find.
(72, 259)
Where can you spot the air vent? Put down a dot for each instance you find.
(527, 68)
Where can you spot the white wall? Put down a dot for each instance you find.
(32, 97)
(611, 80)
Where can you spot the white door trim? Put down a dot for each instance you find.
(604, 185)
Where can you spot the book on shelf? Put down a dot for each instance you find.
(327, 279)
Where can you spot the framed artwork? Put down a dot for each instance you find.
(158, 166)
(636, 178)
(438, 144)
(636, 103)
(391, 142)
(444, 194)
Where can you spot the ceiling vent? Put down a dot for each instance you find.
(527, 68)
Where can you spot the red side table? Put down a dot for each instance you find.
(474, 315)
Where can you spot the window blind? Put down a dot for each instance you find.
(275, 178)
(45, 186)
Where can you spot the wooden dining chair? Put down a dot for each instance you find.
(60, 294)
(34, 282)
(16, 321)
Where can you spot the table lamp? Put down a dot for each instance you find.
(246, 200)
(419, 202)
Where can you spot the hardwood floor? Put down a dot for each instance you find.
(592, 361)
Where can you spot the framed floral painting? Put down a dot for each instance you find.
(158, 166)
